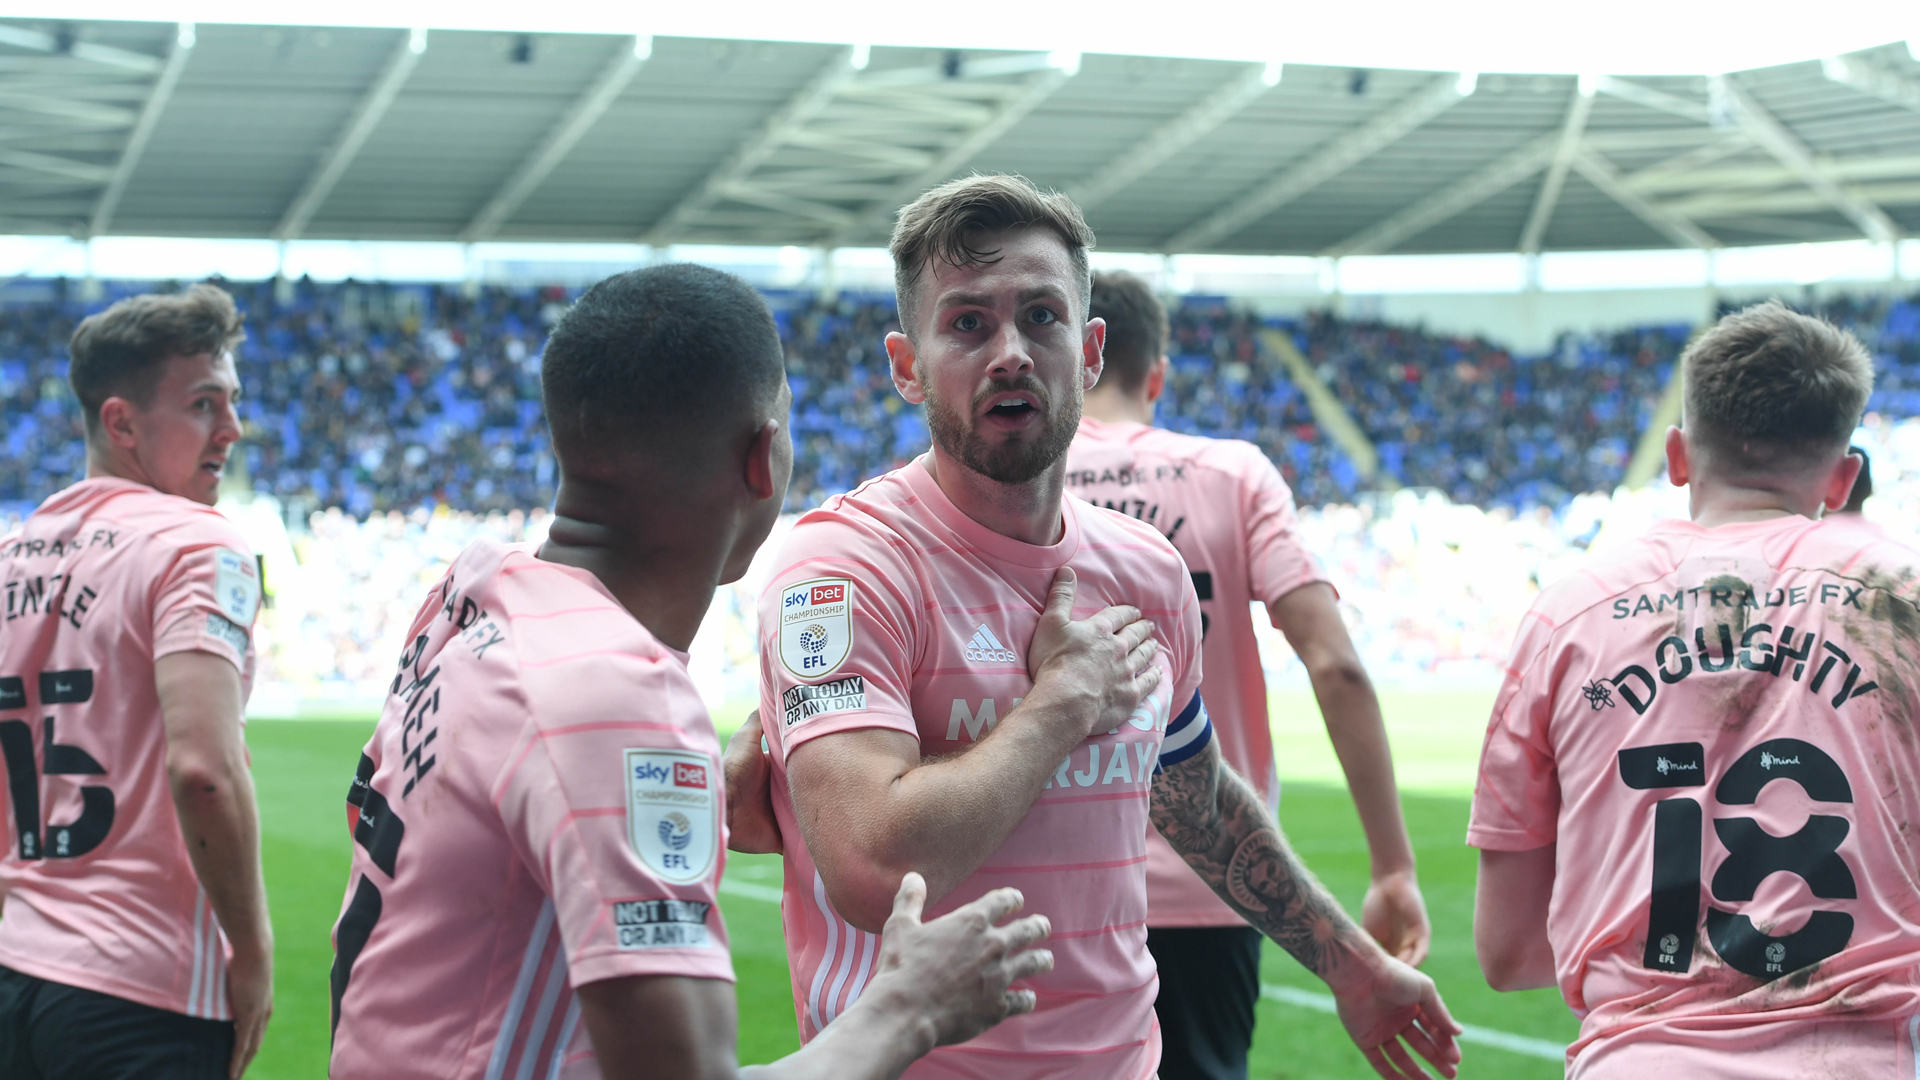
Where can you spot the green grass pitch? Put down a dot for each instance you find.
(302, 769)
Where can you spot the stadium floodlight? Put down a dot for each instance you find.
(1270, 75)
(186, 37)
(860, 57)
(1066, 60)
(417, 40)
(642, 46)
(1468, 82)
(1589, 84)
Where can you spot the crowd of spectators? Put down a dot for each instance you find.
(373, 398)
(390, 425)
(1487, 426)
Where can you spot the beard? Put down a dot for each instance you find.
(1009, 460)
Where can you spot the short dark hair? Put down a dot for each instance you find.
(119, 352)
(659, 358)
(1136, 327)
(937, 225)
(1766, 386)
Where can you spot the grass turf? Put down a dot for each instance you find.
(302, 769)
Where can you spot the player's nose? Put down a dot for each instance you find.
(1009, 357)
(227, 430)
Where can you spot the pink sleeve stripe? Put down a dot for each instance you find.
(969, 1048)
(1113, 864)
(579, 814)
(571, 657)
(610, 725)
(1110, 928)
(813, 563)
(985, 609)
(1114, 796)
(530, 616)
(540, 736)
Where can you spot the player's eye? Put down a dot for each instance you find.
(967, 323)
(1044, 316)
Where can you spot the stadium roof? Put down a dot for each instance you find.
(363, 133)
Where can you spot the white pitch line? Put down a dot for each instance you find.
(1519, 1044)
(1286, 995)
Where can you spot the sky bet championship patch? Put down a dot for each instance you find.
(236, 585)
(816, 626)
(672, 818)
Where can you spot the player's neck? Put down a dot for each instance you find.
(1712, 504)
(102, 461)
(666, 584)
(1029, 512)
(1116, 406)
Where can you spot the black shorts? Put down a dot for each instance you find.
(1209, 983)
(51, 1031)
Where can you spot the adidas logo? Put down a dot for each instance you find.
(984, 648)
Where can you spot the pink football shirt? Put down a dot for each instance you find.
(890, 608)
(1717, 728)
(102, 580)
(539, 808)
(1225, 507)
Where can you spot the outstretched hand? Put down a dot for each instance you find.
(1401, 1010)
(959, 969)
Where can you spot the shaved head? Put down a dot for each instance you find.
(662, 365)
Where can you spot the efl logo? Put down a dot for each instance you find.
(828, 594)
(685, 775)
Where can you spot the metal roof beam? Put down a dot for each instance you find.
(1870, 77)
(1441, 205)
(805, 104)
(1787, 149)
(1549, 197)
(573, 125)
(346, 145)
(73, 112)
(1325, 163)
(1011, 111)
(22, 38)
(109, 202)
(51, 165)
(1793, 200)
(1659, 100)
(1175, 135)
(1670, 223)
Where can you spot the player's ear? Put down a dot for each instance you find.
(1840, 480)
(1677, 464)
(1093, 349)
(761, 468)
(116, 422)
(902, 357)
(1157, 379)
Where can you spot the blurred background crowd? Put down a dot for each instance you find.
(388, 425)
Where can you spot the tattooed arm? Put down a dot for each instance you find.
(1217, 823)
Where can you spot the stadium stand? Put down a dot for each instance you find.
(394, 423)
(372, 398)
